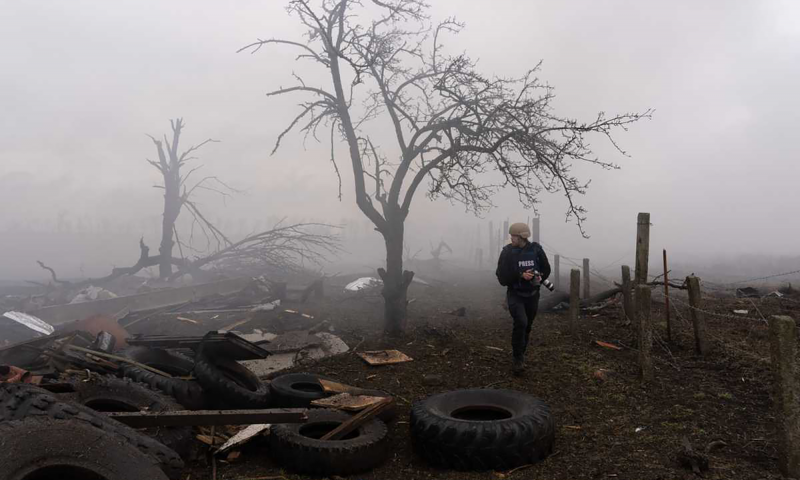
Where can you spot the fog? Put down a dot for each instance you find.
(83, 82)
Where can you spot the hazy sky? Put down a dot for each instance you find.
(84, 81)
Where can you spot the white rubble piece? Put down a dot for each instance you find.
(258, 336)
(92, 293)
(363, 283)
(244, 436)
(31, 322)
(740, 312)
(266, 307)
(293, 341)
(330, 345)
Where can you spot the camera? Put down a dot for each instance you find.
(547, 283)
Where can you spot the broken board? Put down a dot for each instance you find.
(347, 402)
(384, 357)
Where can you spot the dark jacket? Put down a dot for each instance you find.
(514, 261)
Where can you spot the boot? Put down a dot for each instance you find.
(518, 367)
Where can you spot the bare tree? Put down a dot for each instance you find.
(386, 61)
(177, 195)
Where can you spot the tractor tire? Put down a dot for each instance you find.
(296, 390)
(111, 394)
(44, 448)
(482, 429)
(188, 393)
(21, 401)
(299, 448)
(233, 385)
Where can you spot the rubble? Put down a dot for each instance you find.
(384, 357)
(30, 321)
(330, 345)
(92, 293)
(245, 435)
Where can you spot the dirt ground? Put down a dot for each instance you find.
(614, 428)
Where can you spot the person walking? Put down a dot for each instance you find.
(521, 268)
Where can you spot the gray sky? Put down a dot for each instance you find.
(84, 81)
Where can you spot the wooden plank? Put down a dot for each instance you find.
(184, 418)
(384, 357)
(348, 402)
(358, 420)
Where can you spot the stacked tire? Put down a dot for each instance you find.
(42, 437)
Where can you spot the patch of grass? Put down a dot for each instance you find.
(699, 396)
(725, 396)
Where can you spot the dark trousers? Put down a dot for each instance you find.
(523, 311)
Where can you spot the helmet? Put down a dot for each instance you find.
(519, 229)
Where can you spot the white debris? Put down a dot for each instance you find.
(34, 323)
(244, 436)
(331, 345)
(266, 307)
(92, 293)
(258, 336)
(740, 312)
(362, 283)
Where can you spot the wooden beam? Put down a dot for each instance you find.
(358, 420)
(183, 418)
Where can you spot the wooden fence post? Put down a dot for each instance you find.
(492, 249)
(535, 232)
(574, 299)
(557, 271)
(627, 295)
(645, 328)
(783, 341)
(586, 277)
(642, 247)
(698, 320)
(666, 298)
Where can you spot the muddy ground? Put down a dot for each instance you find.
(613, 428)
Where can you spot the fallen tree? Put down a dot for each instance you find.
(289, 248)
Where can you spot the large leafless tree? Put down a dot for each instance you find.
(385, 62)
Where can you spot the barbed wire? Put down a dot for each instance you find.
(709, 312)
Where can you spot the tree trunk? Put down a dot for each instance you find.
(395, 281)
(172, 207)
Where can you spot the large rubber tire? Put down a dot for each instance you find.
(21, 401)
(188, 393)
(233, 385)
(296, 390)
(43, 448)
(482, 429)
(299, 448)
(111, 394)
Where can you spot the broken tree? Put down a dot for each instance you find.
(450, 122)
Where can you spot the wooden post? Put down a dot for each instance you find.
(666, 298)
(645, 328)
(783, 341)
(698, 320)
(642, 247)
(557, 271)
(535, 233)
(574, 299)
(627, 296)
(492, 249)
(586, 277)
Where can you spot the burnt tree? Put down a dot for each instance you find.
(384, 61)
(177, 195)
